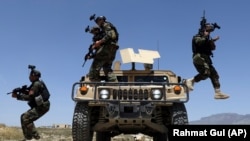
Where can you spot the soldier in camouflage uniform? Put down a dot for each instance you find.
(107, 47)
(203, 46)
(94, 72)
(37, 96)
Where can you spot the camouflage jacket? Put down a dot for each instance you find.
(39, 88)
(111, 34)
(202, 45)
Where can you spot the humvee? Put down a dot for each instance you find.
(142, 101)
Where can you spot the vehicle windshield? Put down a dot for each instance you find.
(151, 79)
(144, 78)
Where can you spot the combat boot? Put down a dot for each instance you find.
(220, 95)
(190, 83)
(112, 77)
(36, 136)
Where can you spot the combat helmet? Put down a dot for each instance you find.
(99, 18)
(33, 71)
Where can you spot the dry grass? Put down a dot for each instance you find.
(47, 134)
(10, 133)
(50, 134)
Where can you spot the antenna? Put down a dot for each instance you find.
(158, 59)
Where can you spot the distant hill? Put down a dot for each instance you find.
(224, 118)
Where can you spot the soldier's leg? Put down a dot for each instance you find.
(113, 50)
(203, 73)
(27, 131)
(98, 62)
(214, 77)
(111, 76)
(109, 72)
(201, 64)
(94, 71)
(28, 118)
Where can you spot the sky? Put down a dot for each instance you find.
(50, 35)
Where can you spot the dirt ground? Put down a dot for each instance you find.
(55, 134)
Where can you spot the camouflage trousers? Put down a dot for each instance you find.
(203, 65)
(28, 118)
(103, 60)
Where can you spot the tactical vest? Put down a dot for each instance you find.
(45, 92)
(202, 49)
(41, 96)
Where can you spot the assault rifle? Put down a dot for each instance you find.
(89, 55)
(203, 24)
(19, 90)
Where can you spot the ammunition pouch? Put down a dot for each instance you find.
(39, 100)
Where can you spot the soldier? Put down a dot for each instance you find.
(97, 33)
(37, 96)
(96, 66)
(202, 46)
(107, 47)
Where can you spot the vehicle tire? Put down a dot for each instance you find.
(103, 136)
(179, 114)
(81, 130)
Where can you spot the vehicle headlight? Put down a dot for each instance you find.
(104, 94)
(156, 94)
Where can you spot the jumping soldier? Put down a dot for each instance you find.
(202, 47)
(37, 96)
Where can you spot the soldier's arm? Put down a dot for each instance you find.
(216, 38)
(24, 97)
(109, 33)
(31, 94)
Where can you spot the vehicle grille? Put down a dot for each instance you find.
(130, 94)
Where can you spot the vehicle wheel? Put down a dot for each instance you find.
(81, 130)
(174, 115)
(179, 114)
(103, 136)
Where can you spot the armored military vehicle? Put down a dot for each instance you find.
(142, 101)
